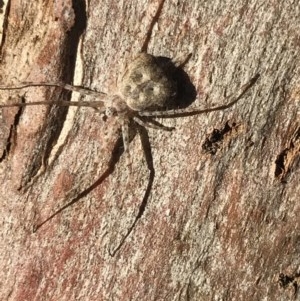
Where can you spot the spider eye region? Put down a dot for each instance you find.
(145, 85)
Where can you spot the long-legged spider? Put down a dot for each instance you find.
(145, 91)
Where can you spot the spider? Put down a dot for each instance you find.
(145, 91)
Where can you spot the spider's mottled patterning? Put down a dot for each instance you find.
(145, 85)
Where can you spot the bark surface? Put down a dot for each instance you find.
(217, 215)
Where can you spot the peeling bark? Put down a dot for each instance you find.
(214, 212)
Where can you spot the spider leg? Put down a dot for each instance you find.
(194, 111)
(125, 134)
(81, 90)
(182, 60)
(155, 18)
(63, 103)
(142, 207)
(153, 125)
(125, 137)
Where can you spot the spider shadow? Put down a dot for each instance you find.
(186, 91)
(115, 157)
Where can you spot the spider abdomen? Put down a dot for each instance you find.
(145, 84)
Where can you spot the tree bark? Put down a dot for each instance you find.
(211, 213)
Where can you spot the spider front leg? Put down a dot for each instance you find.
(82, 90)
(68, 87)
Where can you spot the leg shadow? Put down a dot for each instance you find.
(116, 154)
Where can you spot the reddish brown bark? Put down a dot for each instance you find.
(221, 221)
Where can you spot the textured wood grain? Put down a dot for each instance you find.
(221, 216)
